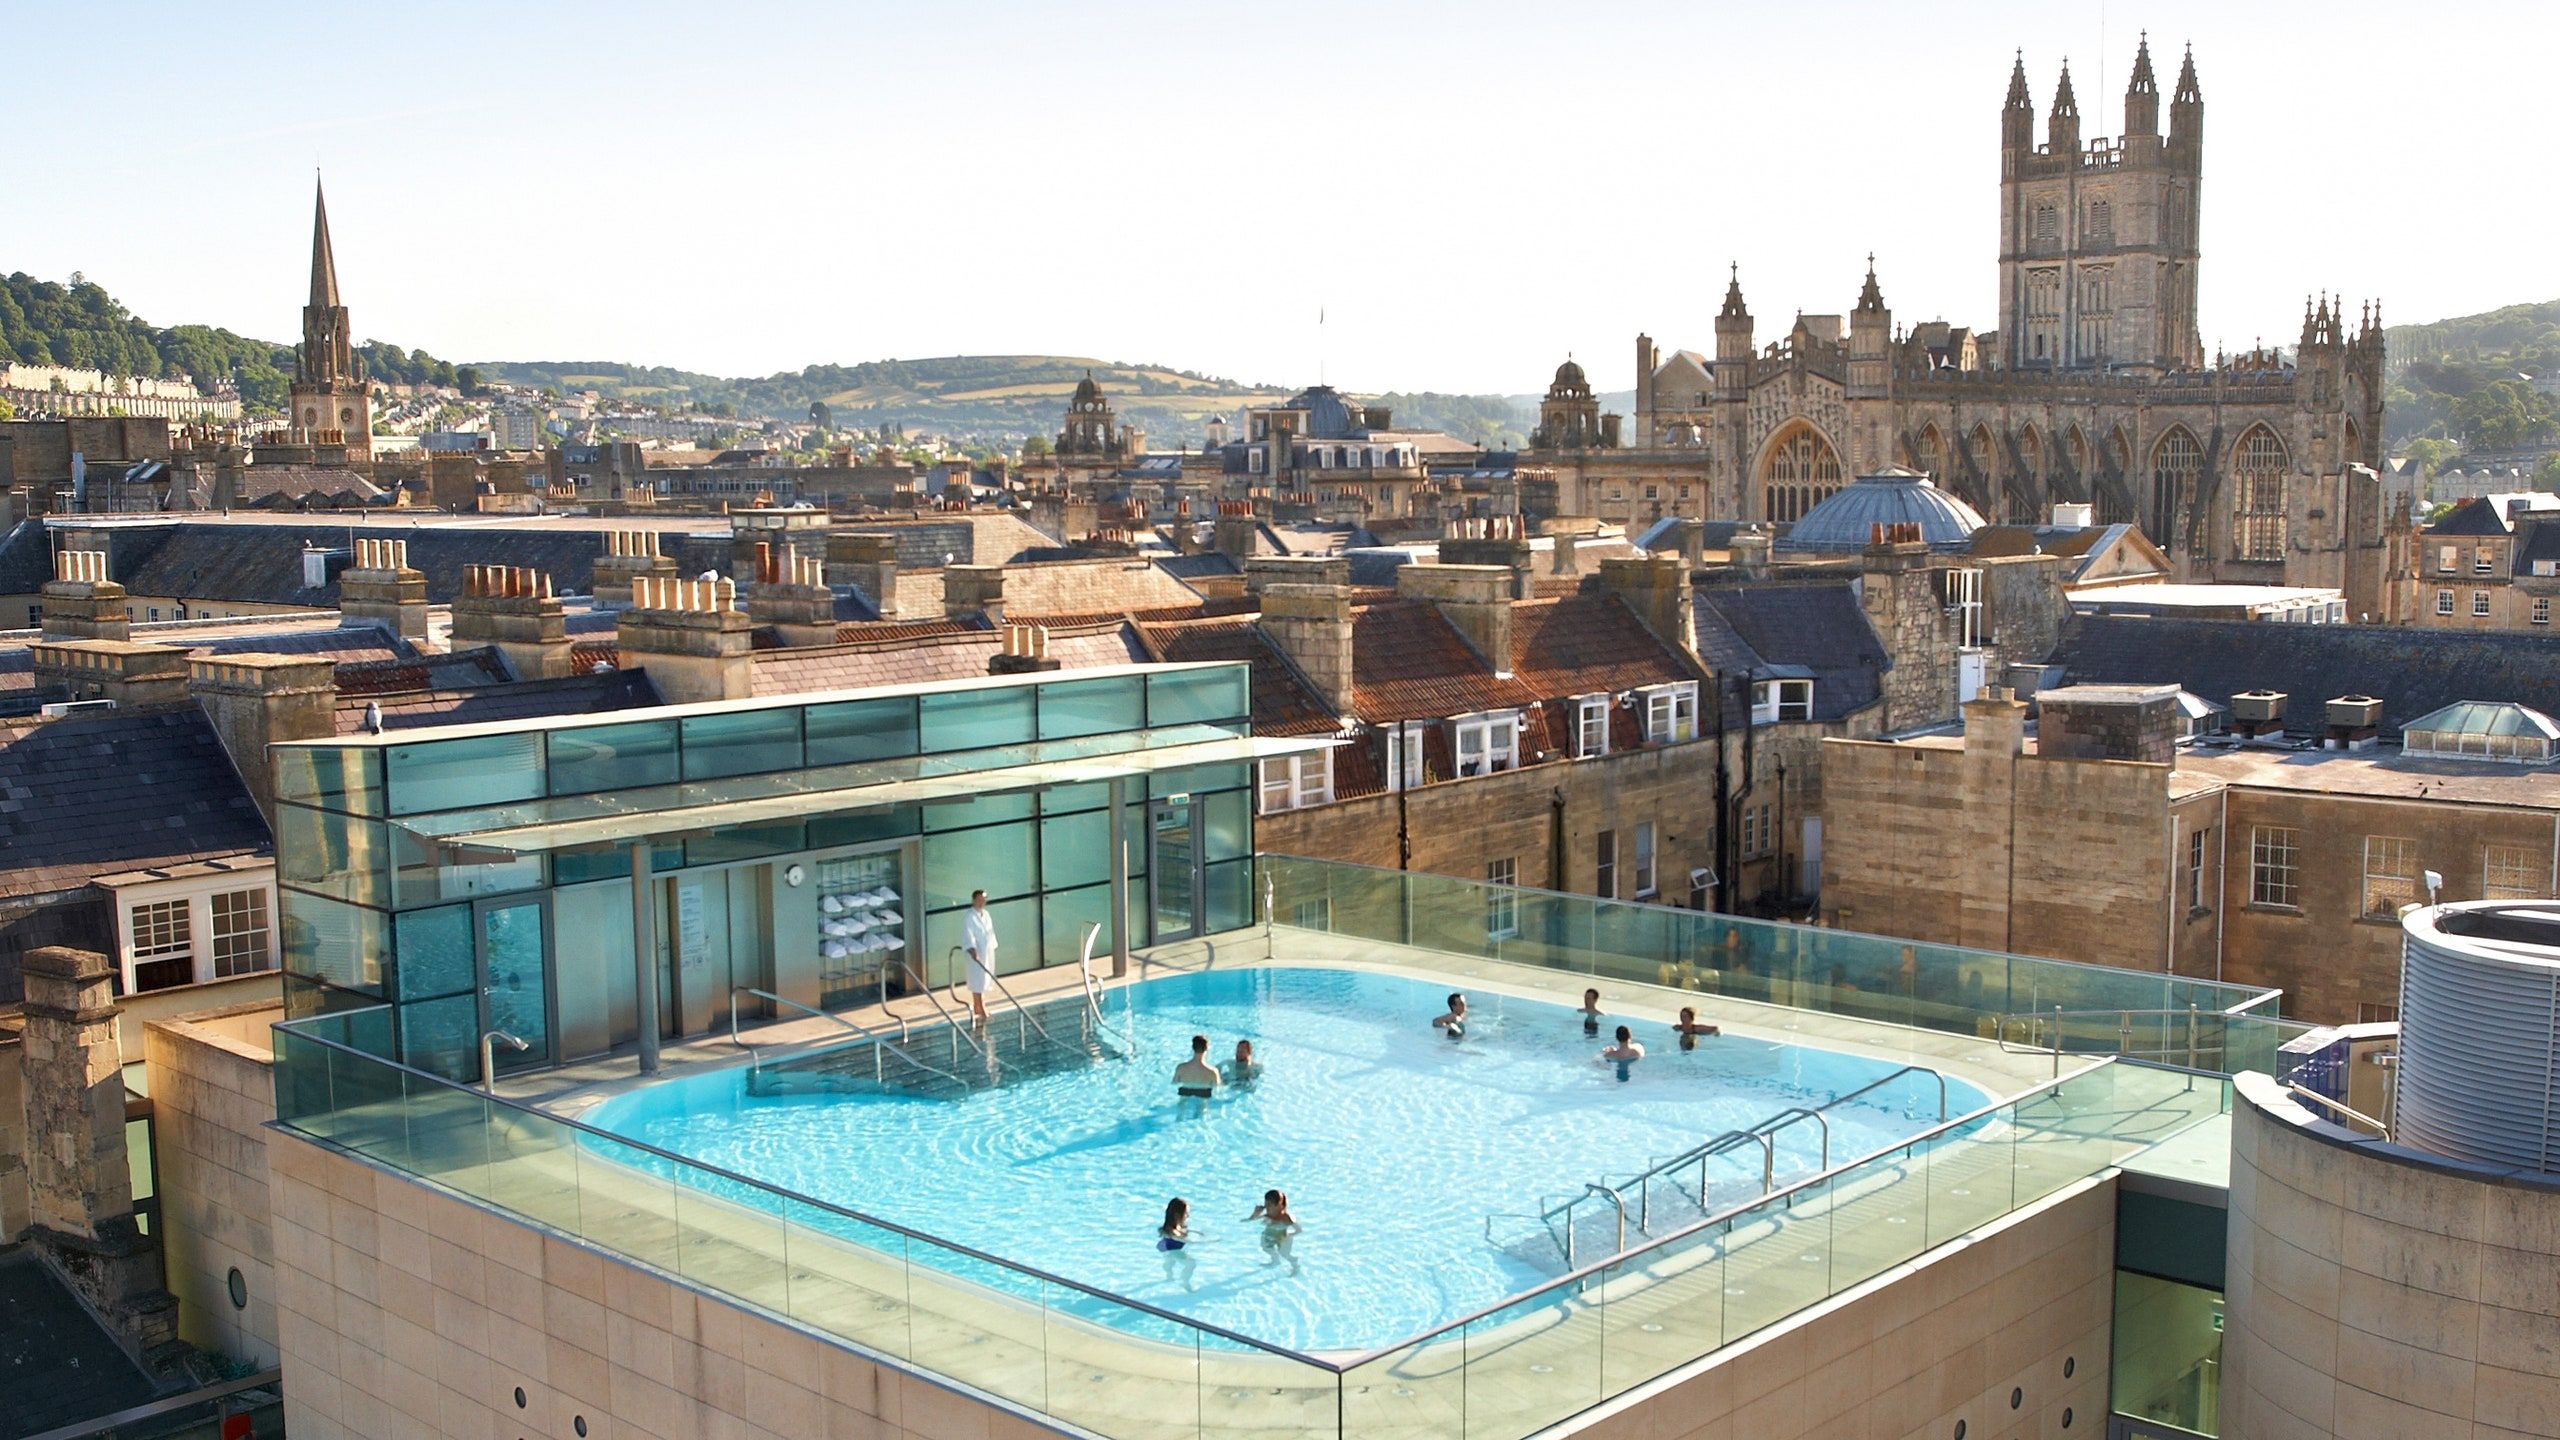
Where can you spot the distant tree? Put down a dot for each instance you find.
(1036, 447)
(7, 411)
(2430, 455)
(2546, 476)
(468, 377)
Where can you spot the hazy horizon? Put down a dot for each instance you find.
(1467, 193)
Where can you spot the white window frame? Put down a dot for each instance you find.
(1646, 888)
(2195, 869)
(1964, 604)
(1757, 842)
(2275, 854)
(2514, 872)
(1493, 736)
(2448, 559)
(1405, 770)
(2484, 559)
(1776, 701)
(205, 937)
(2391, 876)
(1590, 726)
(1604, 869)
(1294, 782)
(2479, 602)
(1670, 712)
(2444, 602)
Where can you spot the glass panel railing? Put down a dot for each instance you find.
(1112, 1366)
(2024, 1003)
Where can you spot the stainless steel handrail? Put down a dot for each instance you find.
(2037, 1019)
(879, 1042)
(1616, 1201)
(1093, 993)
(925, 987)
(1022, 1017)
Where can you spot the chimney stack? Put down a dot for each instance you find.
(1476, 599)
(2108, 722)
(1749, 548)
(1026, 652)
(1311, 624)
(1995, 723)
(868, 563)
(791, 595)
(512, 608)
(691, 637)
(969, 590)
(1497, 540)
(133, 676)
(1261, 572)
(1237, 532)
(254, 701)
(1656, 587)
(381, 587)
(628, 555)
(81, 603)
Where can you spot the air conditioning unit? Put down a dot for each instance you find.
(2258, 706)
(2355, 712)
(60, 708)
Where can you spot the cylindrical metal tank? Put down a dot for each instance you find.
(2480, 1032)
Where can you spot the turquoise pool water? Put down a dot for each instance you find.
(1394, 1145)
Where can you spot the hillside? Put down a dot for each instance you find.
(2473, 379)
(79, 324)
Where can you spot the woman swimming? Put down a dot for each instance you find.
(1279, 1229)
(1690, 1028)
(1173, 1239)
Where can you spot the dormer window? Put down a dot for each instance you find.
(1591, 726)
(1670, 712)
(1404, 757)
(1776, 702)
(1487, 742)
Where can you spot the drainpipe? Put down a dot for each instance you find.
(1724, 810)
(1781, 828)
(644, 954)
(1750, 748)
(1555, 839)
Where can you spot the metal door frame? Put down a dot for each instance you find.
(1190, 805)
(548, 1054)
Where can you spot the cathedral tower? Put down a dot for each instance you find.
(330, 395)
(2098, 238)
(1733, 341)
(1870, 330)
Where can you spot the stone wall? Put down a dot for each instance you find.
(212, 1094)
(14, 1213)
(2376, 1291)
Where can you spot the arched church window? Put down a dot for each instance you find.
(1795, 469)
(2257, 496)
(2176, 463)
(2046, 224)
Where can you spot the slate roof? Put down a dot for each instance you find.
(58, 1366)
(26, 560)
(2471, 517)
(1206, 564)
(2413, 670)
(1815, 629)
(517, 700)
(922, 659)
(268, 486)
(459, 669)
(93, 794)
(262, 564)
(2536, 542)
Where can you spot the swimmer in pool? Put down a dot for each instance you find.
(1455, 1022)
(1590, 1012)
(1690, 1028)
(1244, 1069)
(1196, 1078)
(1279, 1229)
(1626, 1052)
(1173, 1239)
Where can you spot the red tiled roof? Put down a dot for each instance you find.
(1407, 663)
(586, 655)
(855, 631)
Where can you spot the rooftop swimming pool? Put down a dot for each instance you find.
(1414, 1164)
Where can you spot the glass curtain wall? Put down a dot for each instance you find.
(379, 920)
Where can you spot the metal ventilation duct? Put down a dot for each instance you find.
(2480, 1032)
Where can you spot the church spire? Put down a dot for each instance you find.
(324, 264)
(1733, 306)
(2062, 127)
(2189, 93)
(2018, 98)
(2142, 97)
(1871, 299)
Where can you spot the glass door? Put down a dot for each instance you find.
(1173, 868)
(513, 938)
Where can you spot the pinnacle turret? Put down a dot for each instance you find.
(2189, 93)
(1733, 306)
(2018, 99)
(2062, 128)
(2142, 97)
(1871, 299)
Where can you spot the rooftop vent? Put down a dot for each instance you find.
(60, 708)
(2479, 1010)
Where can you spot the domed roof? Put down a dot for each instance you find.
(1088, 393)
(1847, 520)
(1569, 373)
(1328, 416)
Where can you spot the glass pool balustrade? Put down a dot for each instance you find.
(1410, 918)
(1132, 1371)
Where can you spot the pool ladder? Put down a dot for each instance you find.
(1559, 1217)
(880, 1041)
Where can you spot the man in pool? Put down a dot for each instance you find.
(1627, 1051)
(1455, 1022)
(1590, 1012)
(1244, 1069)
(1196, 1078)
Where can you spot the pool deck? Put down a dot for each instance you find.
(1505, 1377)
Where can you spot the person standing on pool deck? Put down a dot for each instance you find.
(978, 937)
(1455, 1022)
(1173, 1238)
(1196, 1078)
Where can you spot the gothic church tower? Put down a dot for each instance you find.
(329, 393)
(2098, 240)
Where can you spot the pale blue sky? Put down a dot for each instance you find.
(1469, 191)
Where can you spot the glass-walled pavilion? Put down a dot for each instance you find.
(587, 883)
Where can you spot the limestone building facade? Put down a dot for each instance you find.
(2254, 468)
